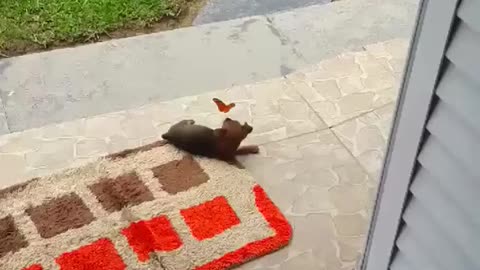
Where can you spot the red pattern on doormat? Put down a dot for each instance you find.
(144, 237)
(152, 235)
(100, 255)
(34, 267)
(276, 220)
(210, 218)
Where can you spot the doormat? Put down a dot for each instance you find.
(152, 207)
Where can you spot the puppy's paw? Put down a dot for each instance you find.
(246, 150)
(250, 149)
(254, 149)
(236, 163)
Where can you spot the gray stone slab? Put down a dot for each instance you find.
(222, 10)
(3, 121)
(322, 31)
(77, 82)
(3, 117)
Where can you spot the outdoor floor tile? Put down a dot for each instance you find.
(366, 137)
(306, 177)
(353, 83)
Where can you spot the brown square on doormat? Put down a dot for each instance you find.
(153, 207)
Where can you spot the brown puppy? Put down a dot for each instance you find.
(221, 143)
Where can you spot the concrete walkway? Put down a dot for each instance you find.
(322, 131)
(72, 83)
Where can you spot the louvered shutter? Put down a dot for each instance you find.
(433, 222)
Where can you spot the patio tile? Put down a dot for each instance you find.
(13, 167)
(350, 248)
(366, 137)
(350, 225)
(353, 83)
(313, 179)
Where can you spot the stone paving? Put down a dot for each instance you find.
(66, 84)
(322, 133)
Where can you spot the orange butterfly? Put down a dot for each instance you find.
(222, 107)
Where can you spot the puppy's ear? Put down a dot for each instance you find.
(220, 132)
(247, 128)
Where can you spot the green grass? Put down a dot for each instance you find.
(34, 23)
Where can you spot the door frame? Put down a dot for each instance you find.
(431, 34)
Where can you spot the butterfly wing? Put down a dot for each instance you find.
(222, 107)
(229, 107)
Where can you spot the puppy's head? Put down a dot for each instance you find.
(233, 130)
